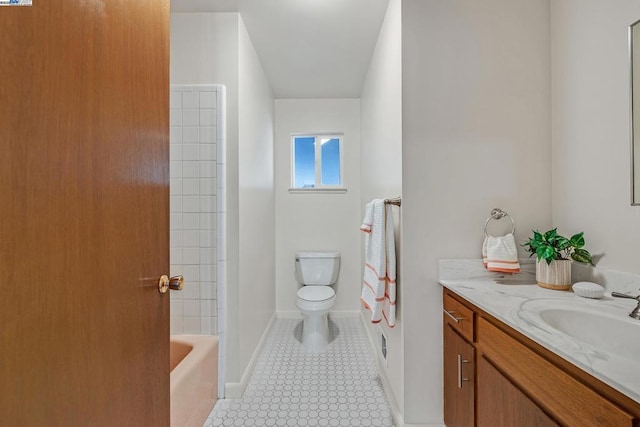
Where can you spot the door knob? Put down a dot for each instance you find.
(176, 283)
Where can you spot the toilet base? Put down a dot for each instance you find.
(315, 331)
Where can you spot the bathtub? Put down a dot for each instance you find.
(193, 378)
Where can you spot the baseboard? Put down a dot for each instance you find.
(236, 390)
(386, 386)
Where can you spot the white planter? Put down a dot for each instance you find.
(556, 275)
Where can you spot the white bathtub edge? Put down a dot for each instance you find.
(236, 390)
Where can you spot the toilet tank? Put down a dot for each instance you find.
(317, 268)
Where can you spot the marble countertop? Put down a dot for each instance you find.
(518, 306)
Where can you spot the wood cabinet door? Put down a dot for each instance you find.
(502, 404)
(459, 375)
(84, 223)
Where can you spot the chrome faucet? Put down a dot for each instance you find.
(636, 311)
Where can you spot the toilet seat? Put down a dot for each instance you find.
(316, 293)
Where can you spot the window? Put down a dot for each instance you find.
(317, 161)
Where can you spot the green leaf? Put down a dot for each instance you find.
(537, 236)
(577, 240)
(562, 243)
(546, 252)
(550, 235)
(582, 255)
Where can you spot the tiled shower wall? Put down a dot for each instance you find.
(197, 208)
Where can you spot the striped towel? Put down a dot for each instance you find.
(500, 254)
(379, 281)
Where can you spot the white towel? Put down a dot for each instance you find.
(368, 218)
(500, 254)
(379, 282)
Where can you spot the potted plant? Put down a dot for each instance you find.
(554, 255)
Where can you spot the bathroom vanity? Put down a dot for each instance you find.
(506, 363)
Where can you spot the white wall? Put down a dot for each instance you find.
(476, 135)
(256, 303)
(381, 150)
(214, 48)
(591, 154)
(318, 221)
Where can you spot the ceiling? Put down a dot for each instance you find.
(308, 48)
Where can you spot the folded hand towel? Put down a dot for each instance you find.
(500, 254)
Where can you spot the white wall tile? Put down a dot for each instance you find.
(190, 256)
(175, 169)
(190, 100)
(175, 255)
(191, 238)
(175, 221)
(191, 221)
(190, 152)
(207, 308)
(207, 238)
(207, 117)
(175, 307)
(208, 100)
(191, 307)
(191, 325)
(208, 221)
(175, 238)
(207, 134)
(191, 204)
(175, 135)
(175, 186)
(175, 99)
(207, 169)
(207, 204)
(176, 326)
(191, 169)
(175, 270)
(190, 117)
(175, 152)
(191, 290)
(175, 117)
(195, 149)
(191, 186)
(207, 272)
(190, 134)
(208, 290)
(207, 255)
(208, 186)
(206, 325)
(175, 204)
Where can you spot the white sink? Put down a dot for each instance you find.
(619, 334)
(598, 324)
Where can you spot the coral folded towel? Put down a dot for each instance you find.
(500, 254)
(379, 281)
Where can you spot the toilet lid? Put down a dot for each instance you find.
(316, 293)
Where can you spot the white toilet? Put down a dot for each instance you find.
(316, 272)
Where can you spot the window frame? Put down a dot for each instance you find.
(318, 186)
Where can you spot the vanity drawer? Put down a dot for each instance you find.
(458, 316)
(570, 401)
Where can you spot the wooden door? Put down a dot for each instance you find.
(459, 375)
(502, 404)
(84, 226)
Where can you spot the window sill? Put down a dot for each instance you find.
(317, 190)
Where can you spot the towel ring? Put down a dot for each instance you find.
(498, 214)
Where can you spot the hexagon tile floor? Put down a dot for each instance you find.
(291, 387)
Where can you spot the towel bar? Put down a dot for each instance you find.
(396, 202)
(496, 214)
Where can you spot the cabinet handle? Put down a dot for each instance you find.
(451, 315)
(460, 362)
